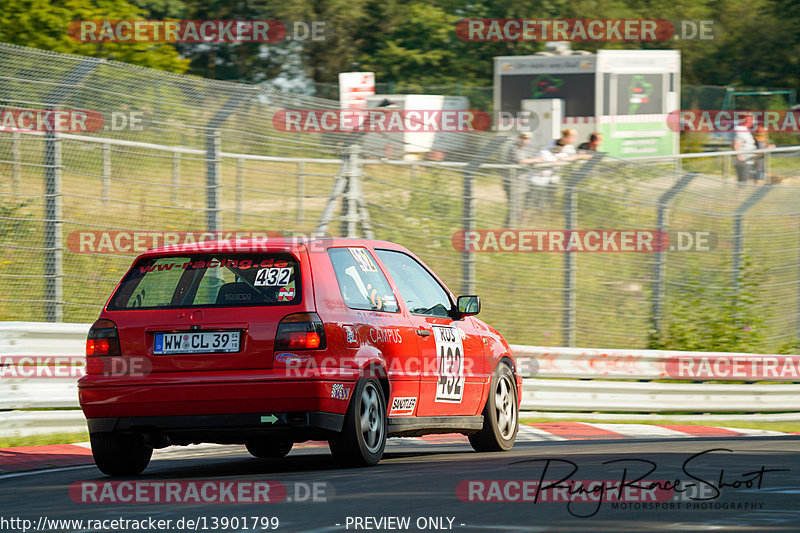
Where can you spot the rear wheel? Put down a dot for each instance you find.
(500, 416)
(363, 437)
(120, 455)
(264, 449)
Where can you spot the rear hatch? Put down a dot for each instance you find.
(207, 311)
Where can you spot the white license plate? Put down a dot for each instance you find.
(196, 342)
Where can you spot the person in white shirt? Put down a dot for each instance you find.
(743, 140)
(567, 143)
(543, 182)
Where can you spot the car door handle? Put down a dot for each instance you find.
(423, 332)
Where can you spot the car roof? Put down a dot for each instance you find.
(269, 245)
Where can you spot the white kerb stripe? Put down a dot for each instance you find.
(530, 434)
(642, 430)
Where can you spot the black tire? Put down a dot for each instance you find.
(363, 437)
(265, 449)
(500, 415)
(120, 455)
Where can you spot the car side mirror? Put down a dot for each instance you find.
(468, 305)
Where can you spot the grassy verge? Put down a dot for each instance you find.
(40, 440)
(787, 427)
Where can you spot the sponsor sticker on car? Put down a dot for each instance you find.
(450, 364)
(363, 260)
(291, 358)
(286, 294)
(403, 406)
(339, 391)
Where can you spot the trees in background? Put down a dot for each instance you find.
(43, 24)
(757, 41)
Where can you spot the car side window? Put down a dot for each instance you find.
(422, 293)
(362, 284)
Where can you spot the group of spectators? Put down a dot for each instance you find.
(537, 185)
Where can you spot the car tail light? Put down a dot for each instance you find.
(300, 331)
(103, 339)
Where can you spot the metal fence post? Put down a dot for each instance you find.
(570, 264)
(53, 228)
(239, 181)
(213, 171)
(351, 195)
(660, 274)
(106, 172)
(468, 209)
(468, 225)
(53, 216)
(16, 167)
(214, 158)
(301, 192)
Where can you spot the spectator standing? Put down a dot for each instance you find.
(542, 188)
(566, 142)
(516, 152)
(743, 141)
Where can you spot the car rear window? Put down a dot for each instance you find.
(209, 280)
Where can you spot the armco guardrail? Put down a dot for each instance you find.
(597, 380)
(556, 379)
(40, 339)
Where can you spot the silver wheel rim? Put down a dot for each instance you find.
(371, 417)
(505, 408)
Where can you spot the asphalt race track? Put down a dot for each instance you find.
(419, 483)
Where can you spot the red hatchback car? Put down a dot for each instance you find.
(268, 344)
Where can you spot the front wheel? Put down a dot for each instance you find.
(500, 416)
(120, 455)
(363, 437)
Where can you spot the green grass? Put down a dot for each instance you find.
(41, 440)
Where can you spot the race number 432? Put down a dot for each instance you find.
(450, 355)
(271, 277)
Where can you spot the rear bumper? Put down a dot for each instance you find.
(160, 431)
(206, 395)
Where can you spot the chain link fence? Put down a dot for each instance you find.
(207, 157)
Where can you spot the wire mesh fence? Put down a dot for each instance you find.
(206, 157)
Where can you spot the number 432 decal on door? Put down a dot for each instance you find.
(450, 363)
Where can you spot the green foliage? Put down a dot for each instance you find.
(44, 24)
(715, 316)
(756, 42)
